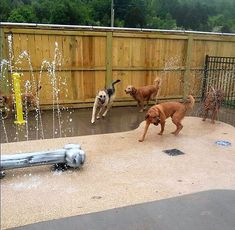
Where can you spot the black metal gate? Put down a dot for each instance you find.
(219, 73)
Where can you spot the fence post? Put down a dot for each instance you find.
(109, 58)
(1, 42)
(188, 60)
(4, 84)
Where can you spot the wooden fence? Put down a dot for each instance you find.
(90, 58)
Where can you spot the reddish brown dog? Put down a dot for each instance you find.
(212, 102)
(159, 113)
(29, 98)
(144, 93)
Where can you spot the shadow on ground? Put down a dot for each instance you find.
(204, 210)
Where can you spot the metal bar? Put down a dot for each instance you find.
(32, 159)
(217, 74)
(205, 77)
(230, 79)
(110, 28)
(112, 14)
(220, 80)
(226, 83)
(71, 155)
(211, 79)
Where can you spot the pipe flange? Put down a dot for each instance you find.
(74, 156)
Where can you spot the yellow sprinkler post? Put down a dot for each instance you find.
(18, 101)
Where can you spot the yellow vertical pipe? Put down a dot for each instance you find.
(18, 100)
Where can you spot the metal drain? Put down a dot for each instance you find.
(173, 152)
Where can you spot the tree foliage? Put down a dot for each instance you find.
(204, 15)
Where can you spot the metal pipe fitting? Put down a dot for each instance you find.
(71, 155)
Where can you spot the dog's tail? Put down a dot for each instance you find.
(115, 82)
(111, 90)
(37, 90)
(157, 82)
(189, 104)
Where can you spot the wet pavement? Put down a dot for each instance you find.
(76, 122)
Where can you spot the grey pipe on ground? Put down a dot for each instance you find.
(71, 155)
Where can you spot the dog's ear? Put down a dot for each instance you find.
(161, 113)
(146, 116)
(133, 90)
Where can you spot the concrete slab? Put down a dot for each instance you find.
(213, 209)
(119, 172)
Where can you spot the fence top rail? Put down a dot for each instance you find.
(100, 28)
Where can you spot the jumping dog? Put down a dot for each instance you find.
(103, 101)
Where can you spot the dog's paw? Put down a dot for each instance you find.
(141, 140)
(98, 117)
(160, 133)
(175, 133)
(92, 121)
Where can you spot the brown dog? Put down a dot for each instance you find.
(145, 93)
(3, 110)
(27, 98)
(159, 113)
(212, 102)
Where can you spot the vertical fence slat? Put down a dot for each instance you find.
(188, 66)
(109, 58)
(4, 88)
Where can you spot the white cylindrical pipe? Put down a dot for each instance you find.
(71, 155)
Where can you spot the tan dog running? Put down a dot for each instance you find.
(212, 102)
(103, 102)
(145, 93)
(159, 113)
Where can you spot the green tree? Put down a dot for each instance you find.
(166, 23)
(134, 18)
(207, 15)
(100, 11)
(24, 13)
(5, 9)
